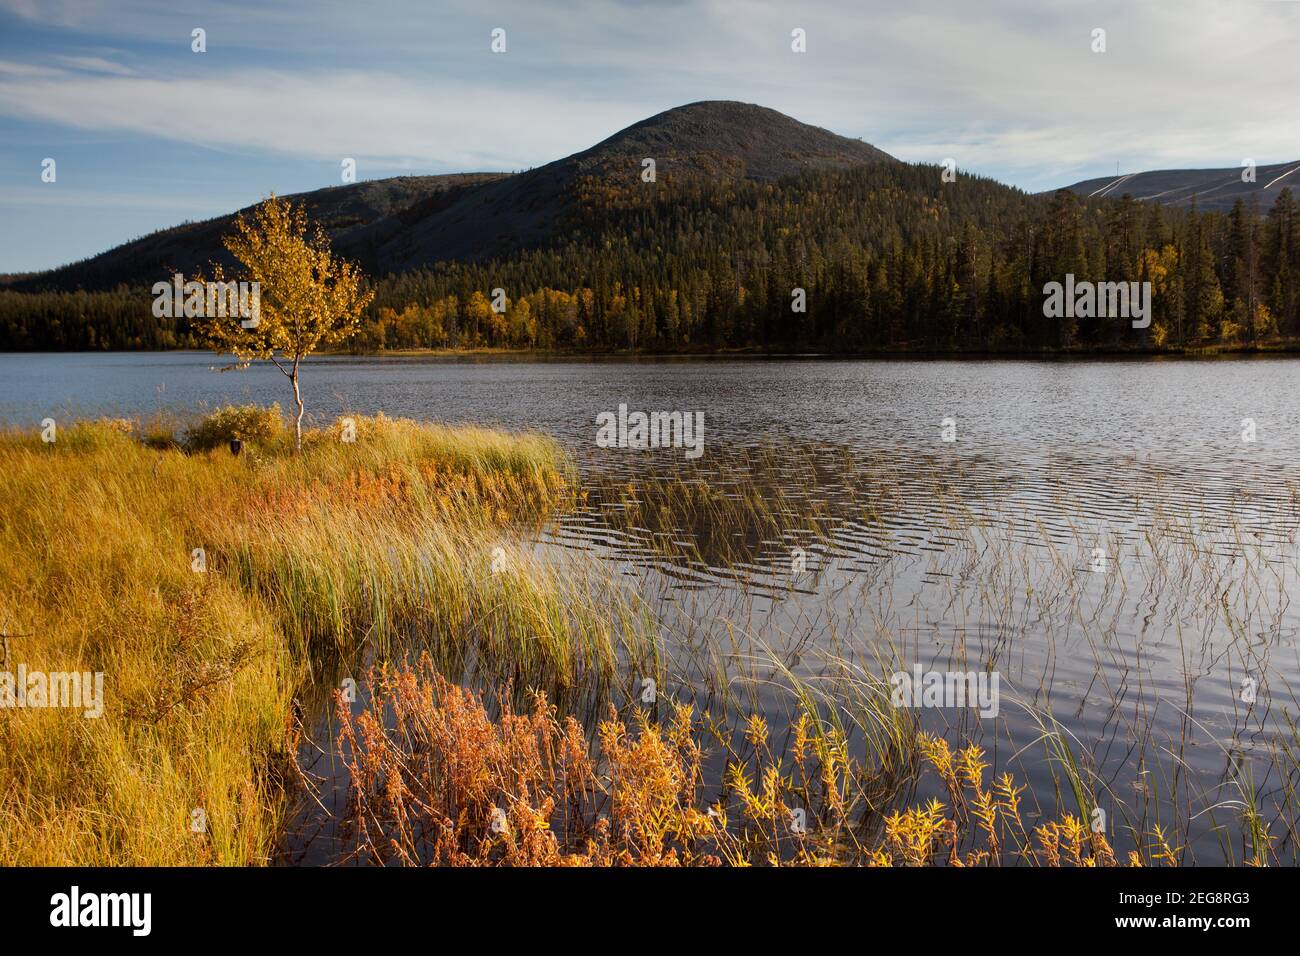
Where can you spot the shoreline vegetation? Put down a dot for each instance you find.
(1287, 347)
(435, 778)
(210, 589)
(229, 598)
(1290, 346)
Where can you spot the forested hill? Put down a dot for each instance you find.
(393, 225)
(756, 232)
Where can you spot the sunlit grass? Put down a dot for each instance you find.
(209, 588)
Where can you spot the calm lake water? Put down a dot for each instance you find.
(1115, 539)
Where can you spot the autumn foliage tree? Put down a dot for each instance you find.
(308, 298)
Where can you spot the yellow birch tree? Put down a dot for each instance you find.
(308, 296)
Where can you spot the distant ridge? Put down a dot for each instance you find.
(1213, 189)
(358, 217)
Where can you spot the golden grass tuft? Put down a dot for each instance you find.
(308, 557)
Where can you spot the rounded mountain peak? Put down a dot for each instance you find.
(760, 142)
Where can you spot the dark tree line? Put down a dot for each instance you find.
(888, 257)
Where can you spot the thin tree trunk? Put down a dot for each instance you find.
(297, 397)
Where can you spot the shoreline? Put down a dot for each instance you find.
(1283, 349)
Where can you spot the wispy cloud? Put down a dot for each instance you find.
(22, 70)
(95, 64)
(383, 118)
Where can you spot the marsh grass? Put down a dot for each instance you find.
(307, 559)
(965, 564)
(436, 778)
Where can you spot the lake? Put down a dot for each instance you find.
(1114, 539)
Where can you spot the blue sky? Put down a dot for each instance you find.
(147, 133)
